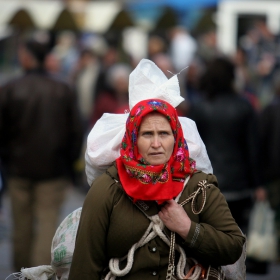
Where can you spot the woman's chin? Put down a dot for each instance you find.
(157, 161)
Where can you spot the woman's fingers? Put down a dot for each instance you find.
(175, 218)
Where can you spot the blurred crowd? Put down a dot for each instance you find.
(99, 69)
(234, 100)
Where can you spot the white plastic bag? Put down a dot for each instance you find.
(262, 238)
(63, 244)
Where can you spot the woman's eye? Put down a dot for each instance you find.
(164, 133)
(147, 133)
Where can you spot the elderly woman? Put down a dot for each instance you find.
(133, 208)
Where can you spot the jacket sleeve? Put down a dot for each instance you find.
(77, 130)
(90, 258)
(216, 239)
(5, 124)
(252, 141)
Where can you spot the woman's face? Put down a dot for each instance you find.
(155, 139)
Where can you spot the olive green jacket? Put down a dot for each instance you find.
(111, 223)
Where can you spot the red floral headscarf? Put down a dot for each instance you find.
(143, 181)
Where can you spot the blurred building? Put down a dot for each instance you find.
(130, 22)
(235, 17)
(121, 22)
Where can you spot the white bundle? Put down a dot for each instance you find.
(104, 142)
(145, 82)
(42, 272)
(63, 244)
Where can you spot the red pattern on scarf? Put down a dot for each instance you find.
(143, 181)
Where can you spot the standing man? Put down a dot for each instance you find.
(270, 152)
(40, 139)
(227, 124)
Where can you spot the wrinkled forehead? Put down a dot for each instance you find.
(154, 117)
(154, 114)
(147, 107)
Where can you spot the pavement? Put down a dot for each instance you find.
(74, 200)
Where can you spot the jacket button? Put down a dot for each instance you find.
(154, 273)
(153, 250)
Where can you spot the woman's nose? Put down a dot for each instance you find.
(156, 142)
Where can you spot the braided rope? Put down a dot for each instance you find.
(154, 229)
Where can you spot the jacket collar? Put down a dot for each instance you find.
(149, 208)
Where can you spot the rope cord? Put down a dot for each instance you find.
(154, 229)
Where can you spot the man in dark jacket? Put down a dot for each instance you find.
(270, 153)
(40, 139)
(227, 124)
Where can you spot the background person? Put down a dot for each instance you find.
(227, 123)
(40, 139)
(114, 100)
(270, 153)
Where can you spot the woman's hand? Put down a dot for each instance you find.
(175, 218)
